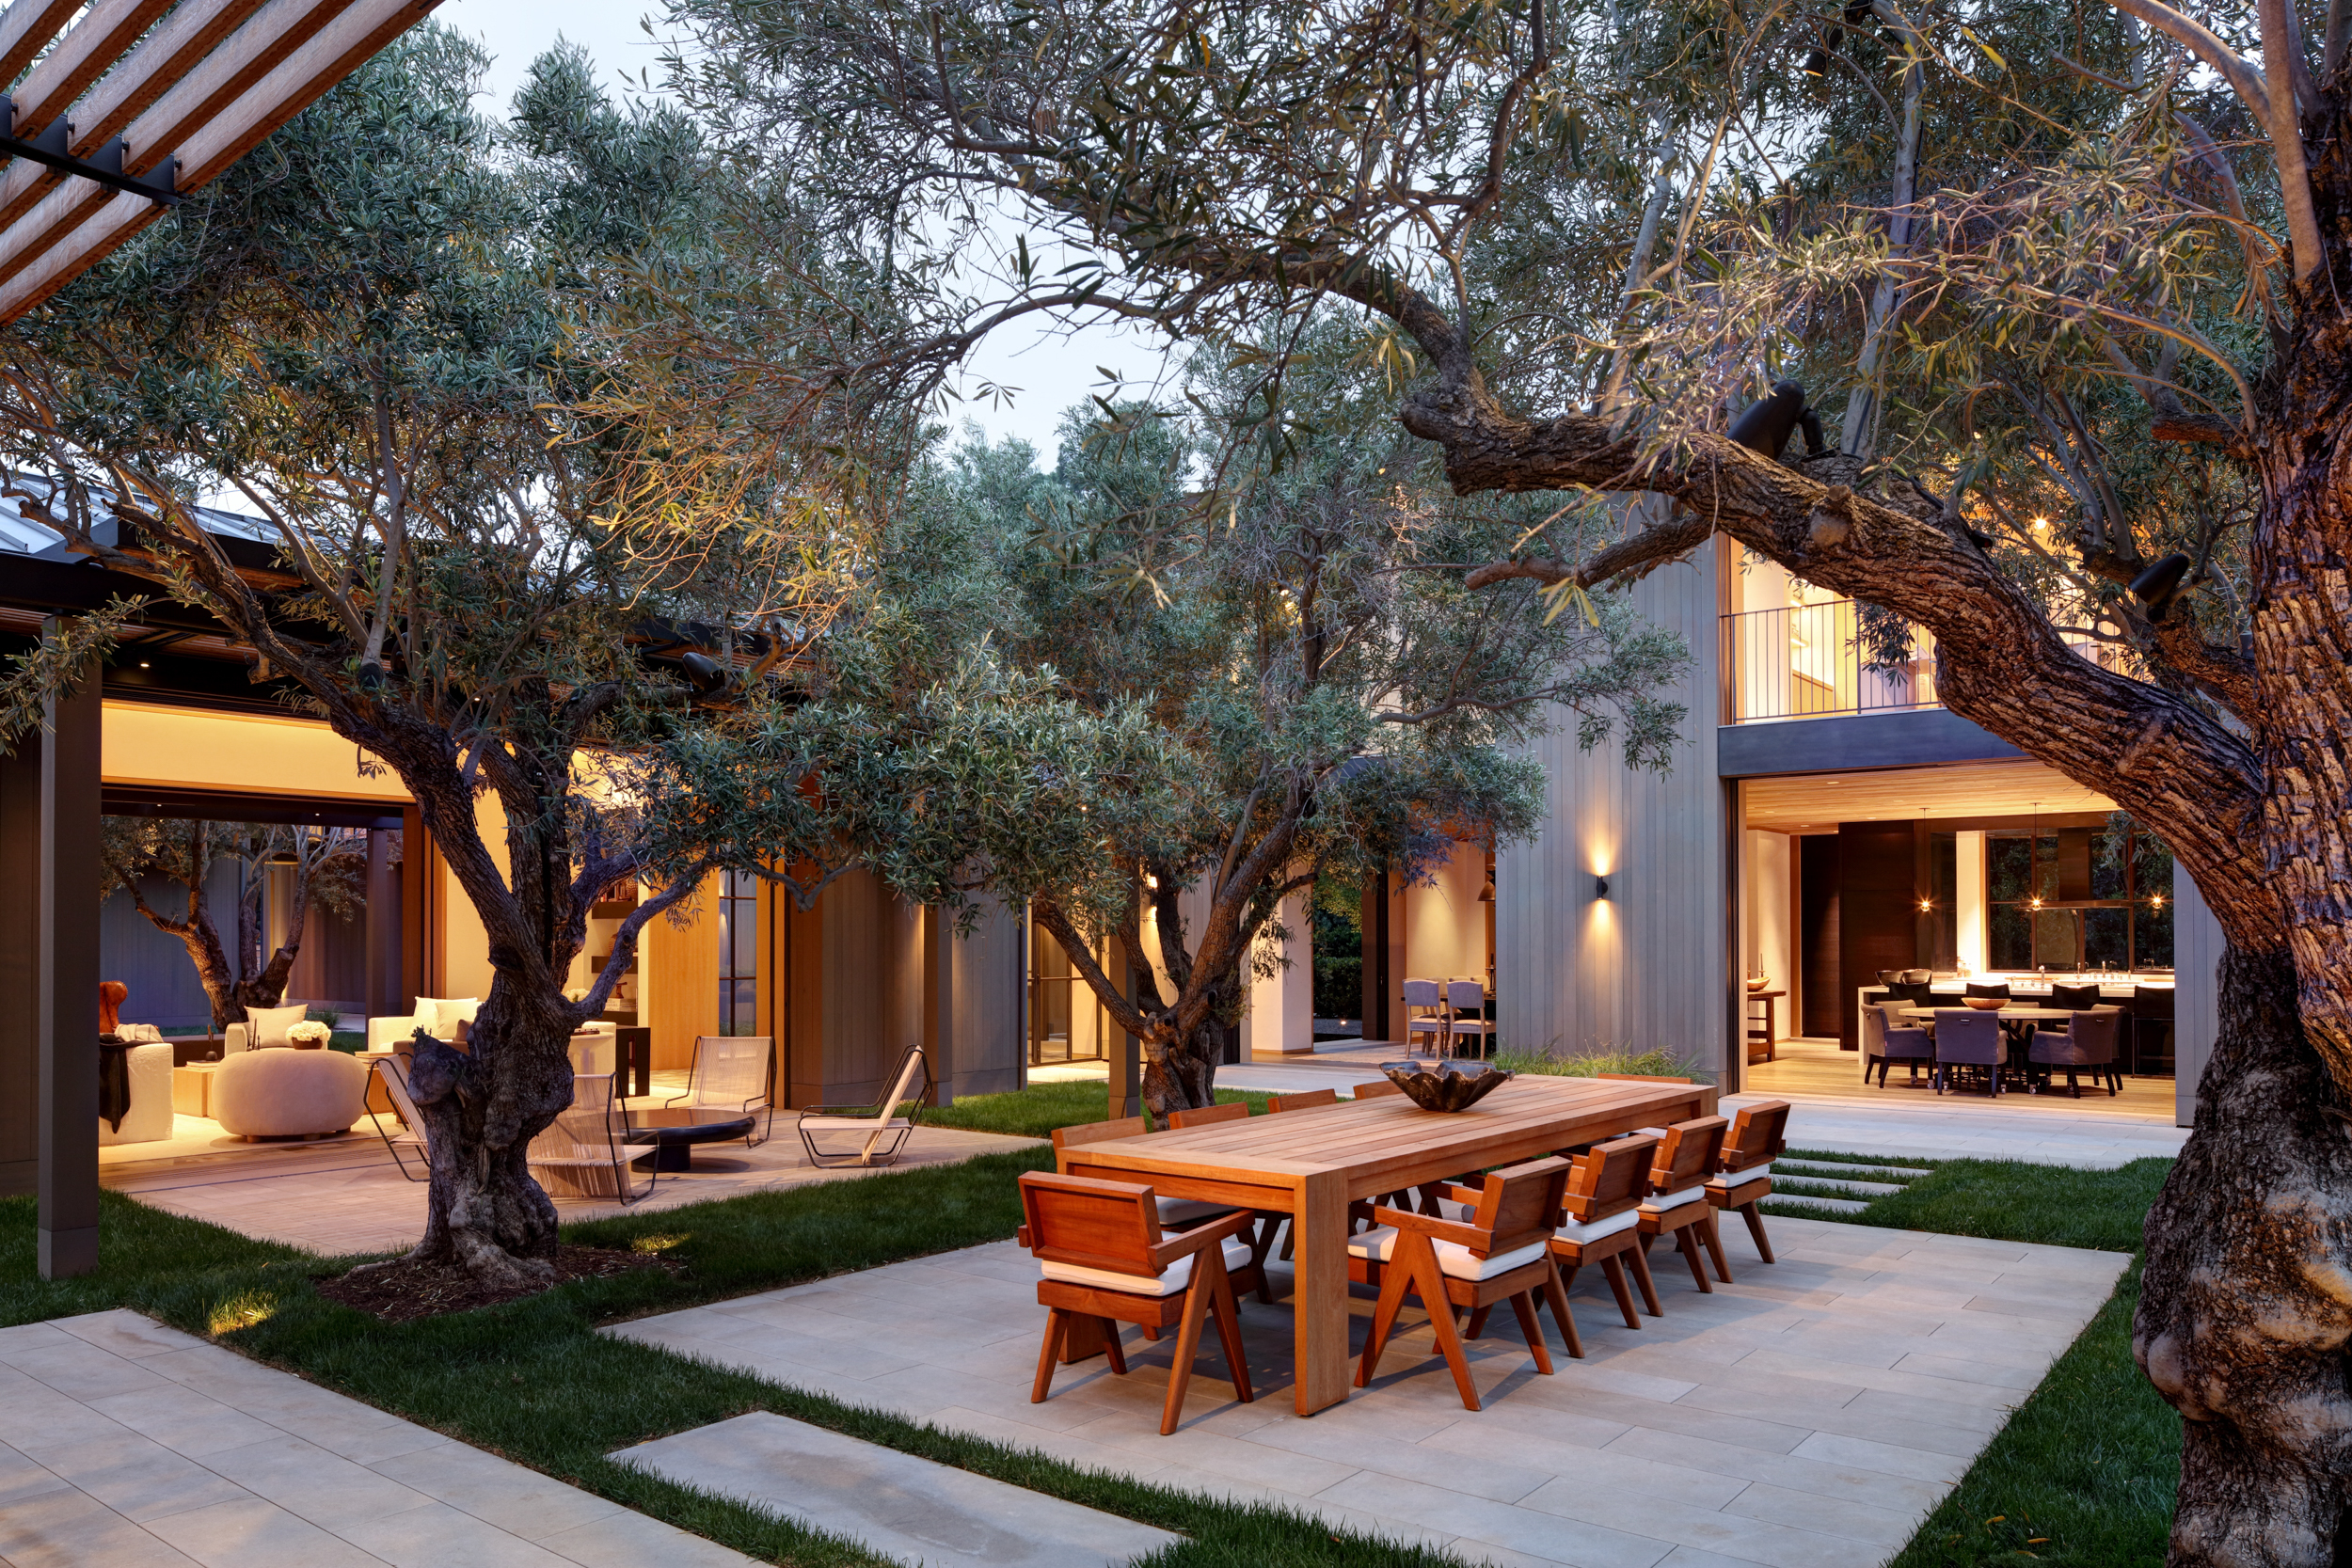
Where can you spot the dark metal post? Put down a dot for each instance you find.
(67, 1229)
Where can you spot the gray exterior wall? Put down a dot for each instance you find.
(1647, 966)
(990, 1055)
(2197, 946)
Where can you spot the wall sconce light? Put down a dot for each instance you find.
(2157, 900)
(1601, 887)
(2035, 902)
(1926, 906)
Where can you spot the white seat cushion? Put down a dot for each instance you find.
(1379, 1245)
(1579, 1233)
(1189, 1210)
(1674, 1200)
(1179, 1274)
(1726, 1181)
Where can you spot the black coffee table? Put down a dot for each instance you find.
(674, 1132)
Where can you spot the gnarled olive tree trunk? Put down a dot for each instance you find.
(2246, 1302)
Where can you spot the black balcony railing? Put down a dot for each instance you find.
(1807, 661)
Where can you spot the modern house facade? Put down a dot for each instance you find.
(1825, 821)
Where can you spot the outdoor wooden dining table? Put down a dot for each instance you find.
(1310, 1163)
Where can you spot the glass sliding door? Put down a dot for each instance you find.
(739, 953)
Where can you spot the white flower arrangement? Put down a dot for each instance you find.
(310, 1032)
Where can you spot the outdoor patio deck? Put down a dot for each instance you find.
(1807, 1416)
(345, 1195)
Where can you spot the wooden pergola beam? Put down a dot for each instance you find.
(226, 100)
(92, 45)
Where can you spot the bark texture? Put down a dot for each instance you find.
(2246, 1301)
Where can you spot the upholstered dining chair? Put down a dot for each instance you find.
(2087, 1041)
(1688, 1154)
(1883, 1043)
(1744, 1172)
(1600, 1219)
(1967, 1037)
(1501, 1253)
(1466, 1017)
(1424, 1016)
(1104, 1255)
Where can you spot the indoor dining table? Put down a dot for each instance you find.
(1310, 1163)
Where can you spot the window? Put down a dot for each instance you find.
(2114, 883)
(738, 953)
(1066, 1022)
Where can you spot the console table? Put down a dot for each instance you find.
(1764, 1044)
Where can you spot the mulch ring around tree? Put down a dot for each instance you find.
(403, 1291)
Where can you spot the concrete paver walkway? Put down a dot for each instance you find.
(130, 1445)
(1807, 1416)
(907, 1508)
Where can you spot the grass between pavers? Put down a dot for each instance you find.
(534, 1381)
(2083, 1473)
(1036, 1111)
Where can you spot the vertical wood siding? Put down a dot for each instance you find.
(2197, 944)
(1646, 967)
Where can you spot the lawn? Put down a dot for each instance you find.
(2081, 1474)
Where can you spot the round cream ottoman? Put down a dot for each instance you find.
(278, 1092)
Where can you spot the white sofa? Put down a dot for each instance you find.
(278, 1092)
(149, 1119)
(385, 1034)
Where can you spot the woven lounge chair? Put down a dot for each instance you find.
(884, 1131)
(393, 1072)
(734, 1076)
(579, 1154)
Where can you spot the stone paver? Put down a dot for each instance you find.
(347, 1196)
(1807, 1416)
(907, 1508)
(129, 1445)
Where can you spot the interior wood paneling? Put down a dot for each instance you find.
(677, 972)
(1877, 911)
(1803, 804)
(1817, 934)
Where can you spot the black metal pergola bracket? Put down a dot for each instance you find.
(104, 167)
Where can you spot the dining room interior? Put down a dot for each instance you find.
(1914, 888)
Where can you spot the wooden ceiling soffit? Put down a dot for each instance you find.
(128, 113)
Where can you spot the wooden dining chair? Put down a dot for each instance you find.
(1678, 1207)
(1103, 1255)
(1380, 1088)
(1207, 1115)
(1424, 1016)
(1744, 1172)
(1177, 1214)
(1305, 1100)
(1600, 1222)
(1502, 1253)
(1269, 1221)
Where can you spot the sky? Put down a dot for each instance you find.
(1052, 370)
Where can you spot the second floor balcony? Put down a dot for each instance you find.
(1808, 661)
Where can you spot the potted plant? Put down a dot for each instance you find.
(309, 1034)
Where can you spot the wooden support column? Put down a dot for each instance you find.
(20, 968)
(67, 1230)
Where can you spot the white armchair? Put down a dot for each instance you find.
(385, 1033)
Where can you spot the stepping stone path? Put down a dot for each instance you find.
(901, 1506)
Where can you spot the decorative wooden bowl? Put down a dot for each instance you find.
(1986, 1003)
(1444, 1086)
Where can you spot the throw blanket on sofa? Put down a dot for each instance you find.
(114, 1080)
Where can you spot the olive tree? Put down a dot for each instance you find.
(2069, 288)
